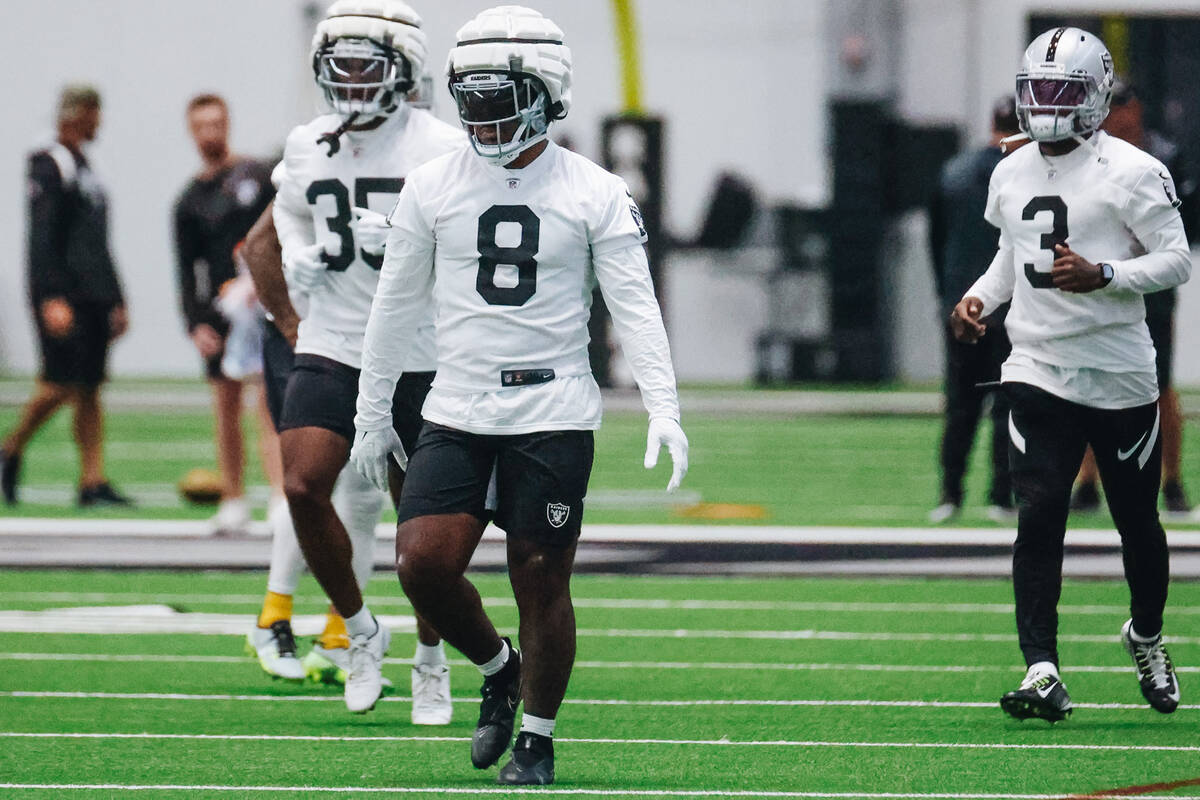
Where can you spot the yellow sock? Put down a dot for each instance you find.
(275, 608)
(334, 635)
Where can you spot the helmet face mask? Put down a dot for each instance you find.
(360, 76)
(1064, 86)
(503, 113)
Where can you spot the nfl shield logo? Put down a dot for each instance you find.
(556, 514)
(514, 183)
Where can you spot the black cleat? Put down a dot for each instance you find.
(1156, 673)
(1174, 499)
(532, 762)
(10, 476)
(501, 696)
(100, 495)
(1040, 696)
(1086, 497)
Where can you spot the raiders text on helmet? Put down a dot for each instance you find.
(510, 75)
(1064, 85)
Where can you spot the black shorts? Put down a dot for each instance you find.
(322, 393)
(541, 479)
(278, 359)
(1162, 333)
(80, 358)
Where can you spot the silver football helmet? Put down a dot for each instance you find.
(1064, 86)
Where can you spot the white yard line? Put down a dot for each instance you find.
(271, 698)
(260, 737)
(302, 791)
(647, 534)
(743, 666)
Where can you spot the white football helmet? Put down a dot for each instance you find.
(1064, 86)
(510, 75)
(367, 54)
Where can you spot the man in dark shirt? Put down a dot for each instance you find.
(963, 244)
(76, 296)
(211, 216)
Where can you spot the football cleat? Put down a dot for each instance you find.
(100, 495)
(330, 665)
(532, 762)
(431, 694)
(275, 648)
(10, 475)
(1040, 696)
(364, 679)
(1156, 673)
(501, 696)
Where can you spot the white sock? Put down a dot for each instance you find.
(431, 655)
(362, 623)
(498, 661)
(539, 725)
(287, 562)
(1137, 637)
(358, 503)
(1041, 668)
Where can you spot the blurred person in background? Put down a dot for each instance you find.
(1125, 121)
(1088, 226)
(78, 305)
(213, 213)
(962, 244)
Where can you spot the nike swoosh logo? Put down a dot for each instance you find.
(1123, 455)
(1046, 693)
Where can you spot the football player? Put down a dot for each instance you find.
(337, 172)
(510, 236)
(1088, 225)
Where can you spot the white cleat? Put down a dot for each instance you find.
(275, 648)
(364, 679)
(431, 694)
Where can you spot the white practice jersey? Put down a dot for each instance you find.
(1112, 204)
(314, 203)
(513, 255)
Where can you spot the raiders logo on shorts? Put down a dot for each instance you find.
(557, 513)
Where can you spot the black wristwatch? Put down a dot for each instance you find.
(1106, 274)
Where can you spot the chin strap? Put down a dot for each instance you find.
(1007, 140)
(1089, 145)
(333, 138)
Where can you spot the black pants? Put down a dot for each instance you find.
(967, 366)
(1048, 440)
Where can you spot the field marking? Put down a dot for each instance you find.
(554, 790)
(164, 619)
(646, 534)
(158, 658)
(648, 603)
(308, 698)
(263, 737)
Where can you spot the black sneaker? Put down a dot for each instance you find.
(1174, 499)
(10, 475)
(1156, 673)
(532, 762)
(501, 696)
(102, 495)
(1085, 497)
(1040, 696)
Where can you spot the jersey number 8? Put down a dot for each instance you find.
(492, 255)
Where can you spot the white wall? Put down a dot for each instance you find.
(739, 85)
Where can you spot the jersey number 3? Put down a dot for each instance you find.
(492, 255)
(340, 222)
(1057, 235)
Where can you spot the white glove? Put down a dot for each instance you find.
(666, 431)
(370, 230)
(370, 452)
(306, 268)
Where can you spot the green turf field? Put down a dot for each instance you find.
(803, 470)
(683, 688)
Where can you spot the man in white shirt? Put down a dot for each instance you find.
(1088, 225)
(366, 56)
(510, 239)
